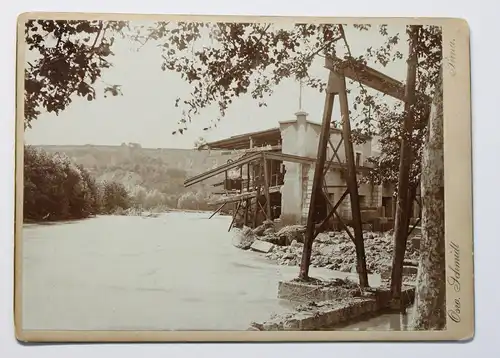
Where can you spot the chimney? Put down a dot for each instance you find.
(301, 117)
(301, 132)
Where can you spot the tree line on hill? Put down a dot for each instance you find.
(55, 188)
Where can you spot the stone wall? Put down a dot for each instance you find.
(332, 312)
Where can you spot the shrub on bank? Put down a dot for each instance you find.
(57, 189)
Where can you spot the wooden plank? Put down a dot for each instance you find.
(263, 211)
(317, 179)
(345, 227)
(370, 78)
(237, 197)
(256, 211)
(307, 160)
(234, 216)
(248, 201)
(353, 186)
(289, 158)
(218, 209)
(266, 188)
(221, 169)
(330, 214)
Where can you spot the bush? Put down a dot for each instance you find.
(194, 201)
(56, 189)
(114, 197)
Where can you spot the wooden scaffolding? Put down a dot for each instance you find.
(257, 195)
(338, 71)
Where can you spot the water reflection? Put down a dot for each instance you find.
(387, 321)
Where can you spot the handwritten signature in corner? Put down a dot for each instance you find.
(451, 59)
(453, 281)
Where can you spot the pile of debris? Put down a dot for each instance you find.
(334, 250)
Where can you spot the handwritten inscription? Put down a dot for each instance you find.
(451, 60)
(453, 281)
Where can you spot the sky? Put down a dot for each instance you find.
(146, 114)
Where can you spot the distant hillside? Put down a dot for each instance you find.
(153, 170)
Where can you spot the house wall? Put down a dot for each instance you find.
(294, 141)
(301, 137)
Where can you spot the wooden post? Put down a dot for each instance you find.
(249, 201)
(266, 187)
(257, 197)
(332, 89)
(234, 216)
(256, 209)
(218, 209)
(241, 179)
(271, 173)
(352, 185)
(402, 208)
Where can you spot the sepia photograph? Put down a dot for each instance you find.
(253, 175)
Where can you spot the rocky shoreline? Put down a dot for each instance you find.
(334, 301)
(332, 250)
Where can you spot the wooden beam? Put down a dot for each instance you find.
(318, 177)
(221, 169)
(345, 227)
(414, 226)
(248, 201)
(266, 188)
(330, 214)
(256, 210)
(342, 223)
(218, 209)
(352, 184)
(289, 158)
(237, 197)
(370, 77)
(335, 155)
(247, 204)
(307, 160)
(336, 149)
(234, 216)
(263, 211)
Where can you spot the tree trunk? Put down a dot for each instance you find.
(405, 162)
(430, 304)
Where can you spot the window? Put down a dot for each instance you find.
(358, 159)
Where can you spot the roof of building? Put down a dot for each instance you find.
(266, 137)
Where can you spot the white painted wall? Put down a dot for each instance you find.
(301, 137)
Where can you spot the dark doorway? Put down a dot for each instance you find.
(387, 204)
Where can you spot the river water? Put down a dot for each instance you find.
(178, 271)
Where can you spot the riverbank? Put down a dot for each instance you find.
(155, 212)
(333, 250)
(327, 304)
(349, 305)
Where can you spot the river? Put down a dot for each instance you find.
(178, 271)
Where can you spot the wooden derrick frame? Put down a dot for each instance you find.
(339, 70)
(336, 87)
